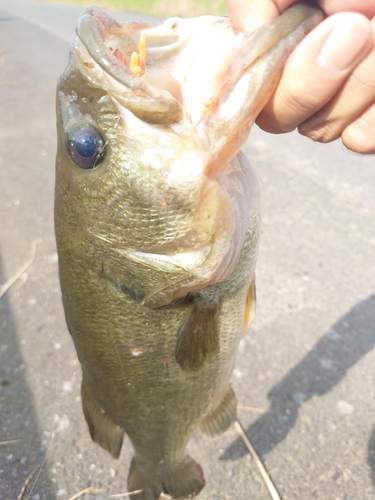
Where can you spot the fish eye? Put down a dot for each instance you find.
(86, 146)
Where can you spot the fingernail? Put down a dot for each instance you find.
(344, 47)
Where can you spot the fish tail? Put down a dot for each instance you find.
(185, 480)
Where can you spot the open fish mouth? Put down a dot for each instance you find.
(110, 47)
(187, 93)
(195, 70)
(166, 72)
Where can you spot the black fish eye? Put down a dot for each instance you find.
(86, 146)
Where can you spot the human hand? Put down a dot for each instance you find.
(328, 86)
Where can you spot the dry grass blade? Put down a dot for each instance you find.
(4, 288)
(266, 478)
(12, 441)
(123, 495)
(252, 409)
(90, 489)
(21, 495)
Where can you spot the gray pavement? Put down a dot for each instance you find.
(308, 362)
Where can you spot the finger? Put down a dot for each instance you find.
(316, 70)
(359, 136)
(365, 7)
(249, 15)
(355, 96)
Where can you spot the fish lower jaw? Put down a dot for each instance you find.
(197, 266)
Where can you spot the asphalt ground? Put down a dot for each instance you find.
(307, 367)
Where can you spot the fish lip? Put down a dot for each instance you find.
(93, 26)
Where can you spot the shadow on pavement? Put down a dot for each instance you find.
(323, 367)
(21, 450)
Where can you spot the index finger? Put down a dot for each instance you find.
(364, 7)
(248, 15)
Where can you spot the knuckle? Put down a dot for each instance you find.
(320, 131)
(359, 136)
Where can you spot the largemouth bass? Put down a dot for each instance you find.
(157, 219)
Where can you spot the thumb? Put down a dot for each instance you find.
(248, 15)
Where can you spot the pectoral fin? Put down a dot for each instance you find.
(222, 416)
(102, 430)
(198, 335)
(250, 308)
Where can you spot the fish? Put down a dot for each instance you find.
(157, 222)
